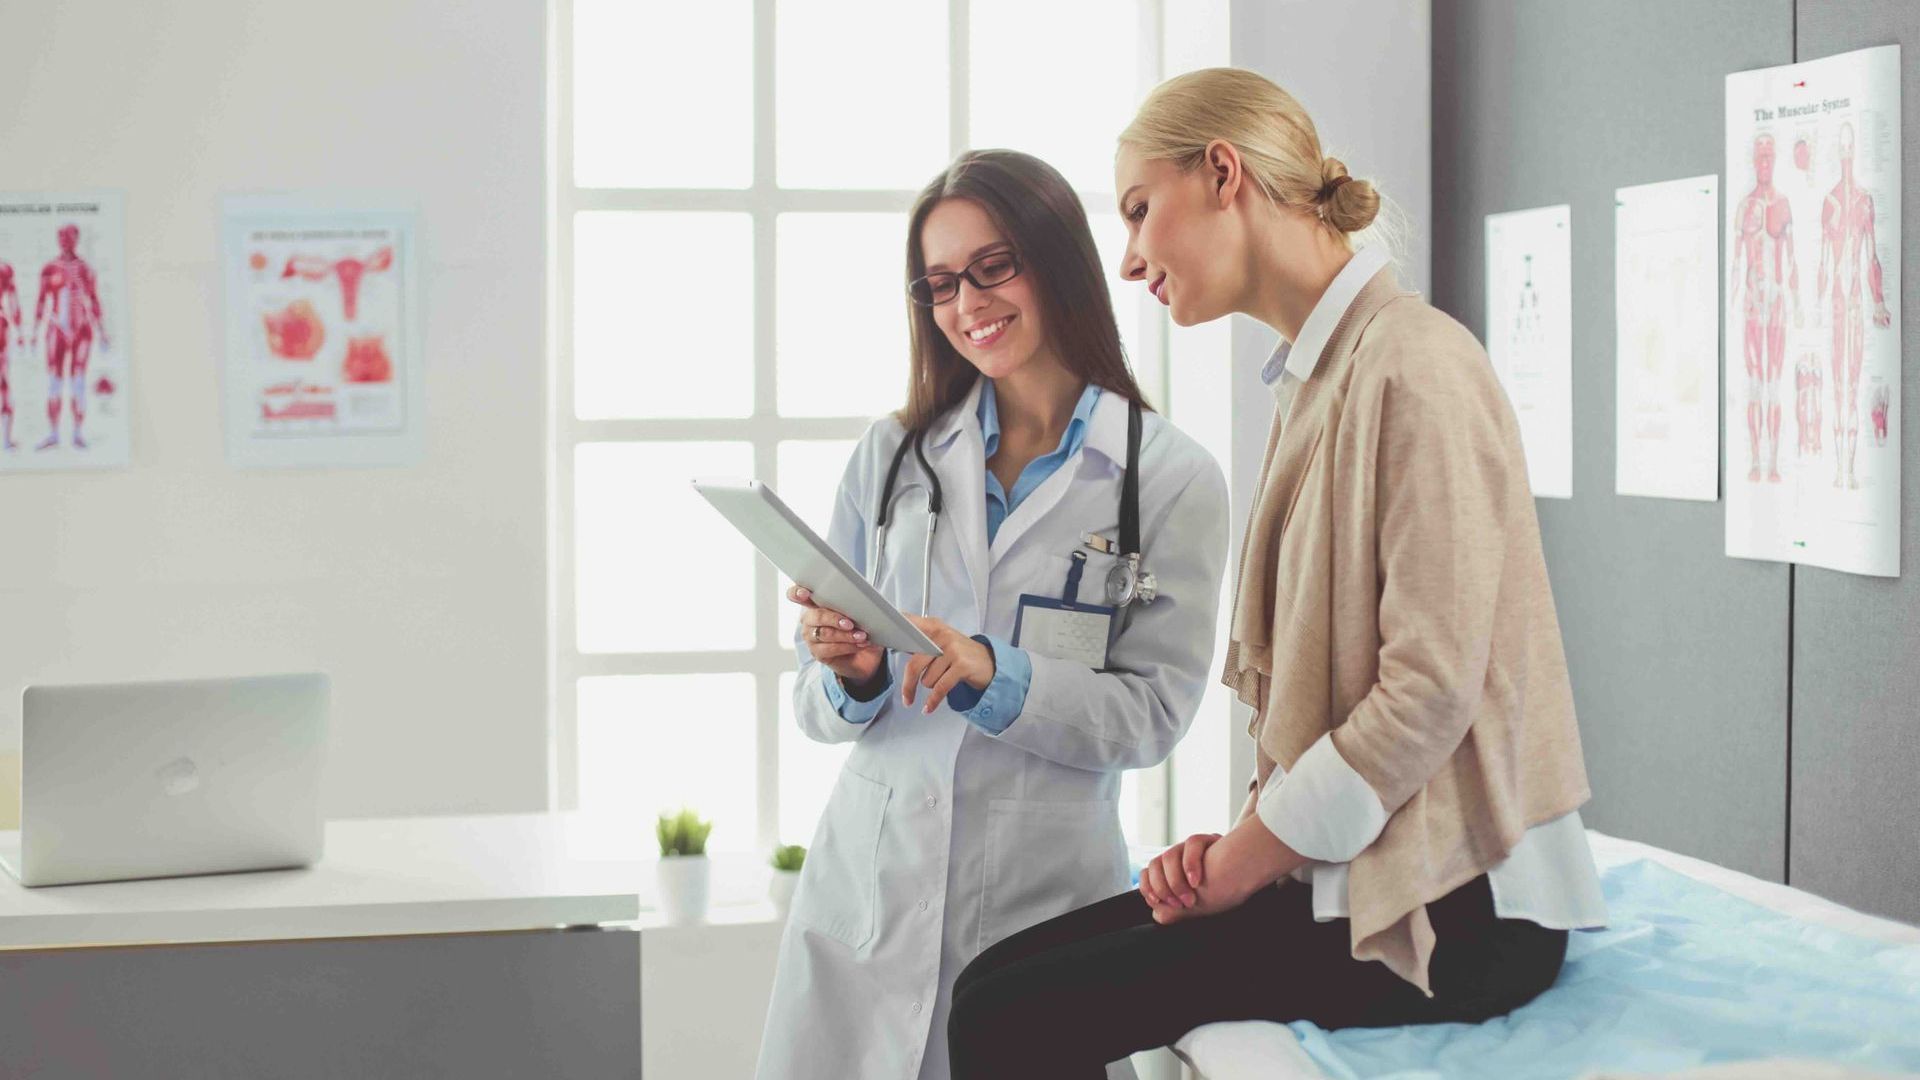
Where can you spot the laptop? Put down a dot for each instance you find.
(166, 779)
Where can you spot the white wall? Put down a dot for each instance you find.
(704, 992)
(1362, 70)
(421, 590)
(1198, 34)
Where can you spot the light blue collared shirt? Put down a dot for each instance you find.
(1000, 502)
(993, 709)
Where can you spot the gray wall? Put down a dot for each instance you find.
(1697, 677)
(1856, 683)
(542, 1003)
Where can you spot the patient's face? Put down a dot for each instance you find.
(1179, 236)
(999, 330)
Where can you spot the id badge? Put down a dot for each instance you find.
(1065, 629)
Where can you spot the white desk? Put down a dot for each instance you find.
(425, 946)
(377, 878)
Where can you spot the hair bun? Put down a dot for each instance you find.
(1333, 173)
(1346, 204)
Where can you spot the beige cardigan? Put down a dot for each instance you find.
(1393, 590)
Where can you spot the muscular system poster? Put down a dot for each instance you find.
(1813, 326)
(63, 331)
(323, 350)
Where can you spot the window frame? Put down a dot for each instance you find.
(764, 201)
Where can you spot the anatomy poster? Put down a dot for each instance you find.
(323, 343)
(1813, 326)
(1667, 334)
(1530, 336)
(63, 331)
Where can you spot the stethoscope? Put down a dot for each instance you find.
(1126, 582)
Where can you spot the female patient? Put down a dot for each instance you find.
(1410, 850)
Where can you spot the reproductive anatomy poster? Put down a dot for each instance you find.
(323, 334)
(63, 331)
(1813, 321)
(1667, 335)
(1530, 336)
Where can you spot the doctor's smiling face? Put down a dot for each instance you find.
(1037, 303)
(996, 326)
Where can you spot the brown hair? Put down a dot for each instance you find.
(1038, 213)
(1275, 136)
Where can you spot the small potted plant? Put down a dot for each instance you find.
(683, 866)
(786, 874)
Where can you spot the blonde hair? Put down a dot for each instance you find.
(1279, 147)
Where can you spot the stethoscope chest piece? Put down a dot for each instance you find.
(1126, 582)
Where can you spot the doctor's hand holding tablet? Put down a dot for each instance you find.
(838, 642)
(939, 657)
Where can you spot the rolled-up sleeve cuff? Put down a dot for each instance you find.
(853, 712)
(993, 709)
(1323, 809)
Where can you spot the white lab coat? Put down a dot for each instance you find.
(940, 840)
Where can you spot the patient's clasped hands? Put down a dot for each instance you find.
(1188, 880)
(1208, 873)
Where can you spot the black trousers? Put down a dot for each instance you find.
(1061, 999)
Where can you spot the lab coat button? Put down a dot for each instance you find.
(923, 905)
(916, 1008)
(932, 801)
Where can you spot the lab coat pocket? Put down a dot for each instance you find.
(1093, 577)
(1046, 859)
(837, 891)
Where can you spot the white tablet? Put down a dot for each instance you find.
(779, 534)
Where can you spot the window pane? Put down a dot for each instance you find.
(657, 295)
(832, 83)
(1200, 371)
(650, 744)
(1111, 238)
(809, 478)
(841, 327)
(807, 772)
(1204, 791)
(1063, 103)
(658, 569)
(663, 94)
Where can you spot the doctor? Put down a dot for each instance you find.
(1075, 623)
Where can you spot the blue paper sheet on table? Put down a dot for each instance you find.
(1685, 975)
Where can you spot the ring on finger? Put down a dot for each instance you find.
(816, 633)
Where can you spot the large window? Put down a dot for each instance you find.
(731, 181)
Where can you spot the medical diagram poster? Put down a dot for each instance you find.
(1812, 313)
(64, 344)
(1667, 339)
(323, 360)
(1530, 336)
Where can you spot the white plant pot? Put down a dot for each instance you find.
(780, 890)
(683, 888)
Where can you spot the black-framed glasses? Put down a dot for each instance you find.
(993, 268)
